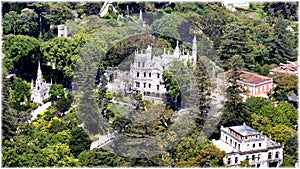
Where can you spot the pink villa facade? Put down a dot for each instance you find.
(256, 85)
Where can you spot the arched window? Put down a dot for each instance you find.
(236, 160)
(269, 155)
(229, 160)
(137, 74)
(277, 154)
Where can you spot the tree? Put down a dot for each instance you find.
(172, 89)
(11, 23)
(59, 155)
(20, 95)
(281, 46)
(237, 41)
(235, 111)
(8, 127)
(99, 157)
(211, 156)
(56, 91)
(79, 141)
(288, 10)
(196, 150)
(22, 153)
(255, 104)
(285, 85)
(21, 52)
(203, 91)
(63, 52)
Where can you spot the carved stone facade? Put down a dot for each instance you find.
(39, 89)
(146, 70)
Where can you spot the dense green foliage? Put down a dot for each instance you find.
(255, 39)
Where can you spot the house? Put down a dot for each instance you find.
(289, 67)
(256, 85)
(244, 143)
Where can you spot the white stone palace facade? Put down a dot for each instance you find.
(146, 70)
(243, 143)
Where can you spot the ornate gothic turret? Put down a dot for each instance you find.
(194, 50)
(40, 91)
(177, 51)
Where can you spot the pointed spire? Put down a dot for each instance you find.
(176, 51)
(194, 50)
(39, 69)
(141, 15)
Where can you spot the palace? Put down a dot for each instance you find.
(40, 91)
(146, 70)
(243, 143)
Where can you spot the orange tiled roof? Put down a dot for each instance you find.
(249, 77)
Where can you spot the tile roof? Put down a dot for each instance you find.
(290, 67)
(249, 77)
(244, 130)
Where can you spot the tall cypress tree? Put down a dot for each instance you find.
(235, 111)
(8, 127)
(203, 93)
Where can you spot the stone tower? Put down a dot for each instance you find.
(62, 31)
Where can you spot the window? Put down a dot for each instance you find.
(228, 161)
(236, 160)
(235, 144)
(277, 155)
(248, 145)
(137, 74)
(253, 146)
(163, 67)
(269, 155)
(143, 64)
(258, 157)
(149, 74)
(158, 75)
(239, 147)
(149, 85)
(259, 144)
(247, 158)
(246, 138)
(226, 139)
(137, 84)
(253, 157)
(230, 142)
(144, 74)
(144, 85)
(258, 165)
(139, 64)
(157, 87)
